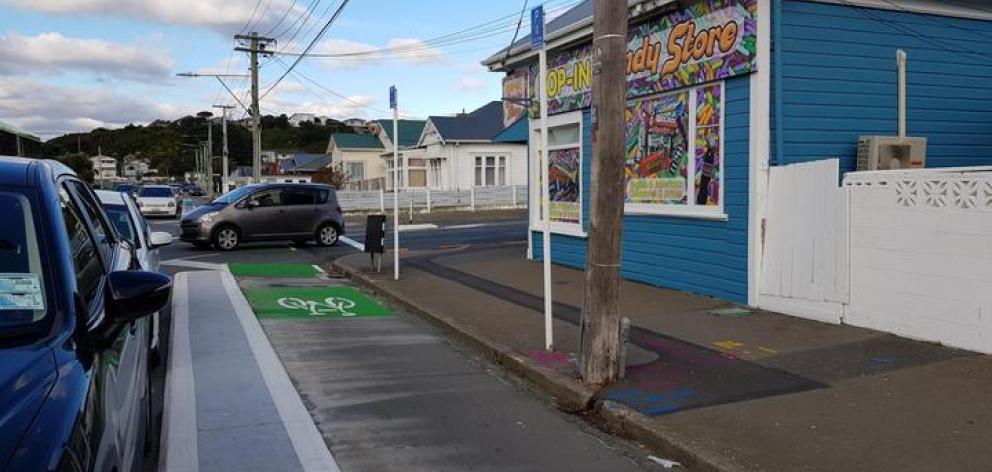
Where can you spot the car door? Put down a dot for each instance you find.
(261, 216)
(148, 255)
(119, 377)
(300, 211)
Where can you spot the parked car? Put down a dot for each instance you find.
(267, 212)
(194, 190)
(74, 387)
(158, 200)
(131, 226)
(131, 189)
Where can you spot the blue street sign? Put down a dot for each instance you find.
(537, 27)
(392, 97)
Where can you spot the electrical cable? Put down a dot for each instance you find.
(316, 38)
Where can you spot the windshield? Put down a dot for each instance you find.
(234, 195)
(157, 192)
(22, 298)
(121, 220)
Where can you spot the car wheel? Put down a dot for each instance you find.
(327, 235)
(227, 238)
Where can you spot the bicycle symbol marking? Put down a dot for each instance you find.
(329, 305)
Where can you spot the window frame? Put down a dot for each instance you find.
(690, 209)
(71, 198)
(536, 173)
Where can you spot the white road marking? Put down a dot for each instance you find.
(352, 243)
(307, 440)
(179, 411)
(474, 225)
(193, 264)
(318, 268)
(417, 227)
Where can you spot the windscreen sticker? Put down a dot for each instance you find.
(21, 292)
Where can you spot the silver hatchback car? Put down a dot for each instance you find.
(266, 212)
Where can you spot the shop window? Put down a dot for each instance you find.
(674, 155)
(564, 171)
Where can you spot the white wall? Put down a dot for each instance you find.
(906, 252)
(922, 255)
(464, 158)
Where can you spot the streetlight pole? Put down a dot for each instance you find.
(224, 152)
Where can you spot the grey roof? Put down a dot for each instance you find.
(306, 162)
(570, 17)
(479, 125)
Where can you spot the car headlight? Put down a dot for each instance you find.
(172, 203)
(207, 218)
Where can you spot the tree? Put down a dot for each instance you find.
(332, 177)
(80, 163)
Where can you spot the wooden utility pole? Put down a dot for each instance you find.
(256, 45)
(224, 152)
(600, 348)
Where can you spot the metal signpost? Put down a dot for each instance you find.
(537, 42)
(396, 184)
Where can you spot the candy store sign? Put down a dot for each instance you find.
(713, 40)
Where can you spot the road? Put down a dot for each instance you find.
(392, 393)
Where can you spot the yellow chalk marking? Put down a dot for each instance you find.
(728, 345)
(767, 350)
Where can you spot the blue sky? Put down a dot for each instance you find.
(70, 65)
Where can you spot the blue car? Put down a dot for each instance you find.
(74, 328)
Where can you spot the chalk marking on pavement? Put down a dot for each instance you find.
(193, 264)
(179, 412)
(307, 440)
(318, 268)
(352, 243)
(291, 248)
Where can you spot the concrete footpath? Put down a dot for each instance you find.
(716, 390)
(229, 404)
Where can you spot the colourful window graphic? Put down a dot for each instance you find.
(565, 185)
(657, 149)
(709, 163)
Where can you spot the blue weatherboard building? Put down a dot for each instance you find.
(719, 91)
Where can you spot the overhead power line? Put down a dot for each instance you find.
(310, 46)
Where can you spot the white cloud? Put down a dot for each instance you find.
(354, 55)
(283, 101)
(227, 16)
(54, 52)
(470, 84)
(44, 108)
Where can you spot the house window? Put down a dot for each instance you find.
(674, 160)
(564, 171)
(435, 173)
(490, 170)
(355, 171)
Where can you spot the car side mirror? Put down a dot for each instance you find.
(159, 239)
(133, 294)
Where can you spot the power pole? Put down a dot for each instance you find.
(600, 348)
(224, 152)
(256, 45)
(208, 163)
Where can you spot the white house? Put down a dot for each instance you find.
(104, 167)
(461, 152)
(357, 155)
(136, 168)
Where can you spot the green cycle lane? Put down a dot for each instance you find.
(273, 270)
(313, 303)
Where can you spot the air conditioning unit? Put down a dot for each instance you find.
(891, 152)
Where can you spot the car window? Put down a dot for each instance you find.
(322, 196)
(156, 192)
(98, 225)
(268, 198)
(234, 195)
(121, 219)
(297, 196)
(84, 256)
(22, 298)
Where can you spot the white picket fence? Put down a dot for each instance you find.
(426, 200)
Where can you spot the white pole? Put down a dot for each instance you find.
(546, 200)
(382, 200)
(428, 200)
(471, 192)
(224, 186)
(513, 195)
(396, 195)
